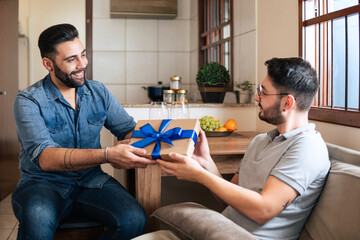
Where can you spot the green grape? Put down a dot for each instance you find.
(209, 123)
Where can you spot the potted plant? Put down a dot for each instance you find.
(245, 90)
(212, 79)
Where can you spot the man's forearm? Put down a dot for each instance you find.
(70, 159)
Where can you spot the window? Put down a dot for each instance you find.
(329, 36)
(215, 27)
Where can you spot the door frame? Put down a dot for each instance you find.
(89, 35)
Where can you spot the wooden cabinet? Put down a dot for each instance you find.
(143, 8)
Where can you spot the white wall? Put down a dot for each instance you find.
(37, 15)
(277, 36)
(244, 20)
(341, 135)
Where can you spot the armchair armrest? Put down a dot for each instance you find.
(194, 221)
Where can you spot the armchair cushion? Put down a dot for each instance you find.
(337, 213)
(194, 221)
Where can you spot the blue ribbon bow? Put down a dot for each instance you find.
(150, 135)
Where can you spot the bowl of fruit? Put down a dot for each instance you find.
(213, 127)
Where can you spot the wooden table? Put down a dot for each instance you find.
(226, 152)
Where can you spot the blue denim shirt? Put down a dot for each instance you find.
(45, 119)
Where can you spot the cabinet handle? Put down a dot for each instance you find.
(2, 93)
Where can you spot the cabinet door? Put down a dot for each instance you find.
(9, 146)
(143, 8)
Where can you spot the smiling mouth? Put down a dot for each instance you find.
(78, 74)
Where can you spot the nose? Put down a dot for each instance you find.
(82, 63)
(257, 97)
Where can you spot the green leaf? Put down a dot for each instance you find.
(213, 73)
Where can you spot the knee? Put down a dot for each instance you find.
(139, 217)
(136, 219)
(40, 215)
(134, 223)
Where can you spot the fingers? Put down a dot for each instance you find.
(138, 151)
(178, 157)
(125, 141)
(203, 136)
(128, 157)
(166, 166)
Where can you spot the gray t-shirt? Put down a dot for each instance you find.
(300, 159)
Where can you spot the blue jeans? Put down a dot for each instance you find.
(39, 209)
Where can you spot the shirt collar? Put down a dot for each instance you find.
(52, 92)
(274, 133)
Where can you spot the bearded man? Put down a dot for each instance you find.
(283, 171)
(58, 120)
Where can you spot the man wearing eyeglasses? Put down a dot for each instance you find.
(283, 171)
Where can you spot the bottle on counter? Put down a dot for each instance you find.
(181, 95)
(175, 83)
(168, 96)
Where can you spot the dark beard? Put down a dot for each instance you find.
(67, 79)
(273, 115)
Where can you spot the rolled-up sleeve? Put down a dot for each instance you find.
(32, 132)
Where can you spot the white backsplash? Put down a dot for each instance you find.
(131, 53)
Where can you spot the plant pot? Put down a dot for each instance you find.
(244, 96)
(212, 93)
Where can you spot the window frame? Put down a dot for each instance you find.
(202, 38)
(341, 116)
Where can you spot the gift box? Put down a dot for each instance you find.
(160, 137)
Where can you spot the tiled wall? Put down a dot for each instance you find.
(129, 54)
(132, 53)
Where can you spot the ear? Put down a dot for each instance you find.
(48, 64)
(289, 102)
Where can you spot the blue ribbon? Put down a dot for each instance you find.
(150, 135)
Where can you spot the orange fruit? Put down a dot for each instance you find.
(230, 125)
(221, 129)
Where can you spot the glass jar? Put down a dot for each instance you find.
(181, 95)
(168, 96)
(175, 83)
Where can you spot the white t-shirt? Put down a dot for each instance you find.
(300, 159)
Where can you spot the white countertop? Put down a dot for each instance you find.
(196, 105)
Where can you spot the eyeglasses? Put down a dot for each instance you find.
(261, 93)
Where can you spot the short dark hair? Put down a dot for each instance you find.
(54, 35)
(294, 76)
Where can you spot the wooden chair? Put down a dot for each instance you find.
(76, 227)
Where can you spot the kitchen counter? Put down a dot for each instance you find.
(243, 114)
(195, 105)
